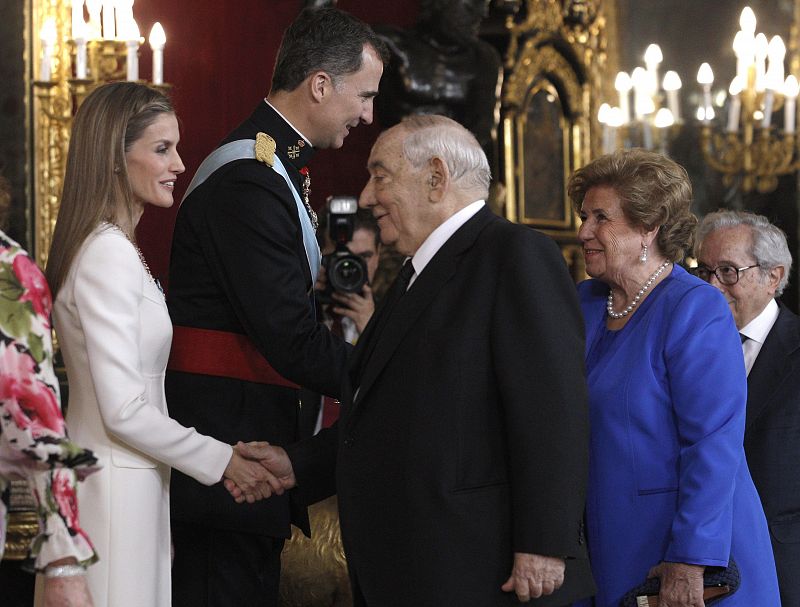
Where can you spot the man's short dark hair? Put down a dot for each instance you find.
(323, 39)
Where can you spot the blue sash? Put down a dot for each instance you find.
(245, 148)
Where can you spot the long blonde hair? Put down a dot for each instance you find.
(96, 184)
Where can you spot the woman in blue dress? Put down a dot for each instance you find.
(669, 493)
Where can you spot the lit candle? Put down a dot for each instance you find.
(109, 33)
(48, 38)
(77, 15)
(747, 23)
(639, 79)
(760, 48)
(124, 15)
(79, 37)
(157, 41)
(132, 42)
(701, 114)
(623, 86)
(672, 84)
(602, 118)
(790, 90)
(652, 59)
(776, 52)
(705, 77)
(664, 118)
(735, 107)
(739, 43)
(769, 99)
(94, 7)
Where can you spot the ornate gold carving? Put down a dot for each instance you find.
(537, 63)
(314, 571)
(22, 528)
(559, 47)
(757, 160)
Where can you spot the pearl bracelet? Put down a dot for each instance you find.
(64, 571)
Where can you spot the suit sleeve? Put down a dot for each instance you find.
(253, 249)
(537, 348)
(108, 294)
(707, 382)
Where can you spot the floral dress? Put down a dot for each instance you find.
(33, 439)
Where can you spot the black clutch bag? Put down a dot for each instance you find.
(718, 583)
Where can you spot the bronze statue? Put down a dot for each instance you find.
(440, 66)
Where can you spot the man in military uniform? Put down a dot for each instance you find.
(244, 260)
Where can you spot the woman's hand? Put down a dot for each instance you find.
(70, 591)
(681, 584)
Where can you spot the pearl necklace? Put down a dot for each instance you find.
(642, 291)
(140, 254)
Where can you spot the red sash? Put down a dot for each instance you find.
(222, 354)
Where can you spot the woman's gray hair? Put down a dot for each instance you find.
(769, 247)
(433, 136)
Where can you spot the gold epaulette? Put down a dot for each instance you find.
(265, 149)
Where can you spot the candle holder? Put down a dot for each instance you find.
(751, 152)
(757, 156)
(78, 60)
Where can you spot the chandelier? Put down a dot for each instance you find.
(748, 146)
(647, 113)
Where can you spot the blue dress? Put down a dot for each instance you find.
(668, 479)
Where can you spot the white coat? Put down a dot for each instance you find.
(114, 329)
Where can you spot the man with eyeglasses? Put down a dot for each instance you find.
(747, 258)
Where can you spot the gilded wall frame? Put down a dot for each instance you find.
(556, 46)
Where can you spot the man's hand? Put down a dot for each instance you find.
(681, 584)
(274, 463)
(252, 481)
(534, 575)
(359, 307)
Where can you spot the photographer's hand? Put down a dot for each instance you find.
(358, 307)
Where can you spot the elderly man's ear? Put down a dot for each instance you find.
(438, 179)
(775, 275)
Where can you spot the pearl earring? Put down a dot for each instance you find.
(643, 256)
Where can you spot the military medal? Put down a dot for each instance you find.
(312, 214)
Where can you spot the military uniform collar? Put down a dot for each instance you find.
(289, 142)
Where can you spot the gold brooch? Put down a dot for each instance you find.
(265, 149)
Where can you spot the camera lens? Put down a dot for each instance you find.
(348, 274)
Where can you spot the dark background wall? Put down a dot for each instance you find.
(12, 112)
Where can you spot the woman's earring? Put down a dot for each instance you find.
(643, 256)
(116, 169)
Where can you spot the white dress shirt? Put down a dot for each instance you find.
(756, 332)
(441, 235)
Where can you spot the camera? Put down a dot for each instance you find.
(346, 272)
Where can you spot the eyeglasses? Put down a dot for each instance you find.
(727, 275)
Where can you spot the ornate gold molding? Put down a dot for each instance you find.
(52, 117)
(560, 45)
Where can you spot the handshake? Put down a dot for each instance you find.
(256, 471)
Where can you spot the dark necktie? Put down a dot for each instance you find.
(395, 293)
(743, 337)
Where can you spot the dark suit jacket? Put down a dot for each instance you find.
(772, 444)
(468, 438)
(238, 265)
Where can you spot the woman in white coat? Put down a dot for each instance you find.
(115, 333)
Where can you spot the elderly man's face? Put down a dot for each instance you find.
(731, 247)
(398, 195)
